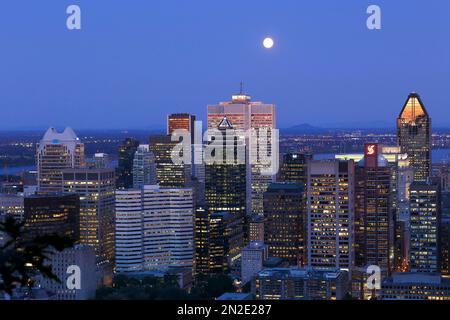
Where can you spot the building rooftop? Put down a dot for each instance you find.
(273, 262)
(235, 296)
(417, 278)
(255, 245)
(87, 170)
(51, 135)
(413, 108)
(291, 186)
(300, 273)
(50, 195)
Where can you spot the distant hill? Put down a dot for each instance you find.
(304, 129)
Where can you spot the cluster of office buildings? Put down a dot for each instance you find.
(310, 230)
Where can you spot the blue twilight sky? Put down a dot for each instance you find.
(134, 61)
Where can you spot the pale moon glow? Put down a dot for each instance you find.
(268, 43)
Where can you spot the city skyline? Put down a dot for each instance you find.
(160, 62)
(225, 150)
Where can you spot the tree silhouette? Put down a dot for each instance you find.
(22, 257)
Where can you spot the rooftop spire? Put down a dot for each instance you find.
(241, 97)
(413, 108)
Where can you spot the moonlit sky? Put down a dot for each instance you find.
(135, 61)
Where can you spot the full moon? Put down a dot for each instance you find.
(268, 43)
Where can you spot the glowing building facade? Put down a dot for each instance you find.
(55, 152)
(245, 115)
(154, 229)
(331, 211)
(284, 227)
(95, 188)
(374, 216)
(425, 218)
(414, 136)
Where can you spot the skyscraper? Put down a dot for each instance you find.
(201, 237)
(374, 216)
(181, 121)
(124, 173)
(154, 229)
(226, 240)
(425, 226)
(144, 167)
(284, 226)
(56, 213)
(244, 115)
(95, 188)
(225, 179)
(445, 234)
(225, 197)
(401, 178)
(55, 152)
(293, 167)
(331, 211)
(168, 173)
(414, 136)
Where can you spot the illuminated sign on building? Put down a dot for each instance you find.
(371, 154)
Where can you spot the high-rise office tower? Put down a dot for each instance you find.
(401, 178)
(331, 211)
(293, 167)
(144, 167)
(95, 188)
(56, 213)
(168, 173)
(414, 136)
(55, 152)
(226, 189)
(374, 216)
(201, 240)
(443, 172)
(181, 121)
(124, 172)
(445, 235)
(225, 179)
(425, 218)
(245, 115)
(284, 227)
(154, 229)
(226, 240)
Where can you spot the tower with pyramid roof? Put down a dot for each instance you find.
(414, 136)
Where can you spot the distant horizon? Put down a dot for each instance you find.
(157, 128)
